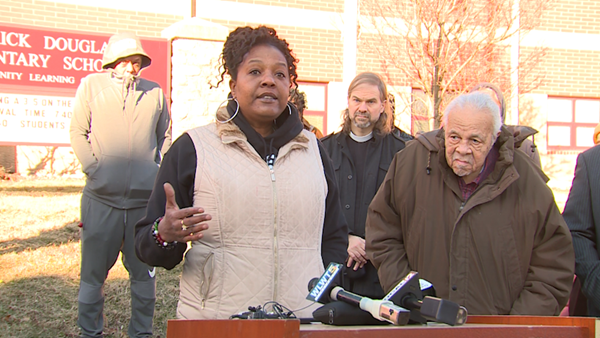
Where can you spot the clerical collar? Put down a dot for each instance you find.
(361, 139)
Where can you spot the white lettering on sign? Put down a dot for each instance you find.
(14, 39)
(55, 61)
(82, 64)
(51, 78)
(35, 119)
(20, 59)
(10, 75)
(73, 45)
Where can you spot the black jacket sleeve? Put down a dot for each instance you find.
(334, 244)
(179, 169)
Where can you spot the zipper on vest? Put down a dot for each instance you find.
(462, 206)
(206, 281)
(275, 252)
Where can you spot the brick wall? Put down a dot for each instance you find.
(386, 55)
(373, 56)
(566, 72)
(563, 72)
(84, 18)
(385, 7)
(572, 16)
(318, 5)
(319, 51)
(570, 73)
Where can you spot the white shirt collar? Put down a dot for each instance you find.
(361, 139)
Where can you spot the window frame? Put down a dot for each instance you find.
(573, 125)
(320, 113)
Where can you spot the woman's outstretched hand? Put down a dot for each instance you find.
(181, 225)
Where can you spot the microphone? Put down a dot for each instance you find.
(327, 290)
(312, 283)
(407, 293)
(320, 288)
(380, 309)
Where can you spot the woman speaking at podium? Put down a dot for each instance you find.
(253, 192)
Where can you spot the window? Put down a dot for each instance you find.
(571, 123)
(316, 107)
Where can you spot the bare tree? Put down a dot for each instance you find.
(444, 47)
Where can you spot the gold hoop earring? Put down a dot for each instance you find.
(237, 109)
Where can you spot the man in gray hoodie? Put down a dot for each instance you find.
(119, 131)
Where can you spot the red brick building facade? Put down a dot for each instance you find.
(330, 42)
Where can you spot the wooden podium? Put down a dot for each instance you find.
(477, 326)
(233, 328)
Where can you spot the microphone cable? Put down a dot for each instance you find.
(280, 310)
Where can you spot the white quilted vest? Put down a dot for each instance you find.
(264, 240)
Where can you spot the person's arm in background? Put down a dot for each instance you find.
(178, 168)
(163, 129)
(579, 216)
(80, 129)
(335, 230)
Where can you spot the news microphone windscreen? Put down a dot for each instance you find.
(328, 280)
(339, 313)
(313, 282)
(409, 284)
(406, 294)
(443, 311)
(427, 289)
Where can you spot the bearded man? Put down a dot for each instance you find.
(361, 155)
(474, 217)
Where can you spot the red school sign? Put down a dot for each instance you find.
(59, 59)
(40, 71)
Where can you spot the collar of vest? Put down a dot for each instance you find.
(229, 132)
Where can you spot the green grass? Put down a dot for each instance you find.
(39, 265)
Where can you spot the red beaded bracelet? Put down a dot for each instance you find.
(159, 241)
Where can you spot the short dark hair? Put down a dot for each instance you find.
(243, 39)
(298, 98)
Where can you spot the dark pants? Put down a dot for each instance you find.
(106, 232)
